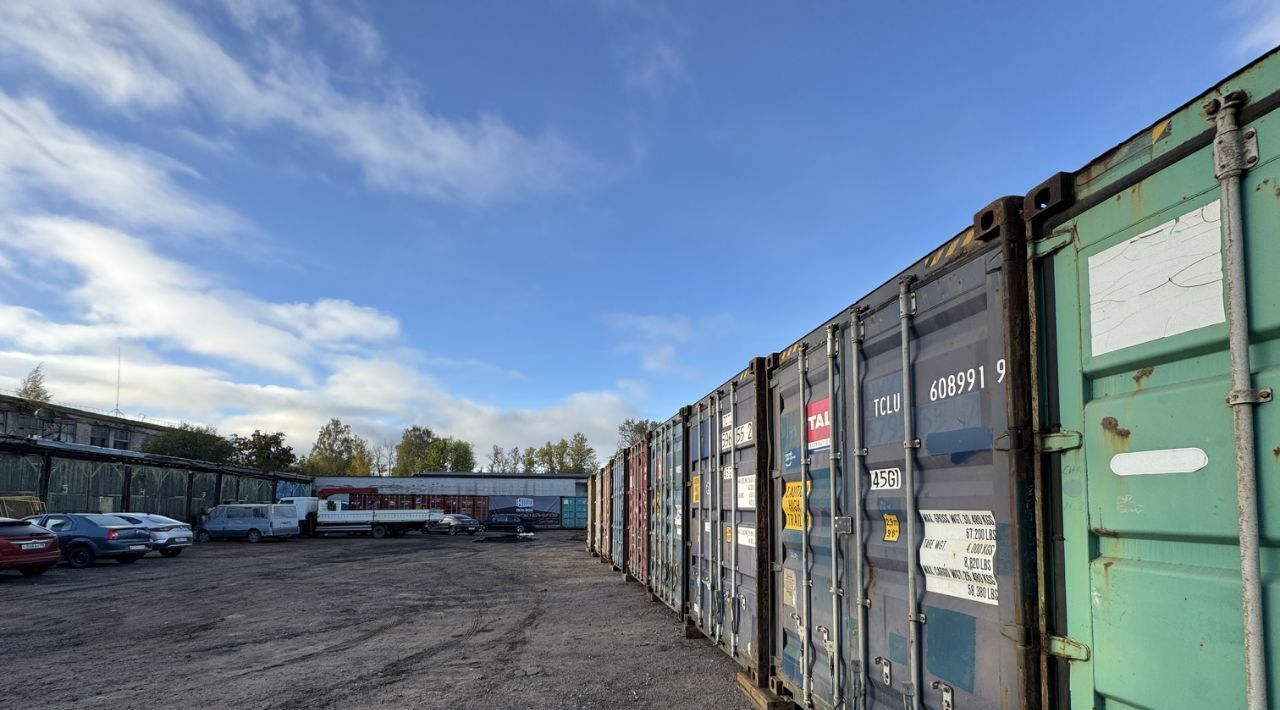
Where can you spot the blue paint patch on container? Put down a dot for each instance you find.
(949, 646)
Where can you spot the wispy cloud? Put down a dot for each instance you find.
(656, 340)
(1260, 29)
(45, 161)
(154, 57)
(653, 66)
(650, 60)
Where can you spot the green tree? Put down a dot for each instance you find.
(421, 450)
(582, 458)
(338, 452)
(190, 441)
(33, 389)
(529, 460)
(553, 458)
(461, 456)
(631, 431)
(413, 451)
(267, 452)
(515, 460)
(498, 460)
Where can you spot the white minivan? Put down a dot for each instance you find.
(249, 521)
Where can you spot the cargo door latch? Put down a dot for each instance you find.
(1049, 442)
(948, 694)
(1066, 647)
(844, 525)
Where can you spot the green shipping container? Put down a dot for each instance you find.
(573, 512)
(1132, 271)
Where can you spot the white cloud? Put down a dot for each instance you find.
(353, 32)
(45, 160)
(656, 340)
(154, 57)
(1261, 31)
(653, 66)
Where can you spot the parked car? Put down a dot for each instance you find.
(514, 523)
(27, 547)
(253, 522)
(455, 523)
(85, 537)
(169, 537)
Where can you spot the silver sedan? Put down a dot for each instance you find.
(169, 537)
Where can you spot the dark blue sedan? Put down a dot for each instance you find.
(85, 537)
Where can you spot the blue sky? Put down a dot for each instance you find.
(513, 221)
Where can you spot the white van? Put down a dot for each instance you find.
(249, 521)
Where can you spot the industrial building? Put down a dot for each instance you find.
(551, 500)
(71, 425)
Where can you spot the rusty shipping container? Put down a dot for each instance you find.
(1159, 349)
(728, 570)
(605, 494)
(638, 510)
(590, 513)
(667, 466)
(618, 510)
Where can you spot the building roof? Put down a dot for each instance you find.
(65, 410)
(540, 476)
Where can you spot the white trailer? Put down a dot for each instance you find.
(333, 516)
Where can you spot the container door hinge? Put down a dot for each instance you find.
(844, 525)
(1059, 441)
(948, 694)
(1066, 647)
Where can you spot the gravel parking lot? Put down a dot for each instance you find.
(412, 622)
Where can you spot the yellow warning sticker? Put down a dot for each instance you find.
(891, 529)
(793, 505)
(728, 533)
(697, 489)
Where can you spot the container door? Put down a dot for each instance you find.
(1138, 359)
(808, 629)
(948, 562)
(606, 511)
(619, 510)
(666, 552)
(741, 560)
(658, 535)
(702, 582)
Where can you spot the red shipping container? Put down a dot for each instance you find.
(638, 510)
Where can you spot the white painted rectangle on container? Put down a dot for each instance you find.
(1165, 281)
(747, 491)
(1159, 461)
(958, 554)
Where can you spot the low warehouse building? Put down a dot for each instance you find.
(551, 500)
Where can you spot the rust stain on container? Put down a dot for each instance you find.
(1112, 426)
(1141, 375)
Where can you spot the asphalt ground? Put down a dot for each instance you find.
(352, 622)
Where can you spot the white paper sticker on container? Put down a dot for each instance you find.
(747, 491)
(789, 587)
(1163, 282)
(746, 536)
(958, 554)
(1159, 461)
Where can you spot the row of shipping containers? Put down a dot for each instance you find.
(1023, 472)
(569, 512)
